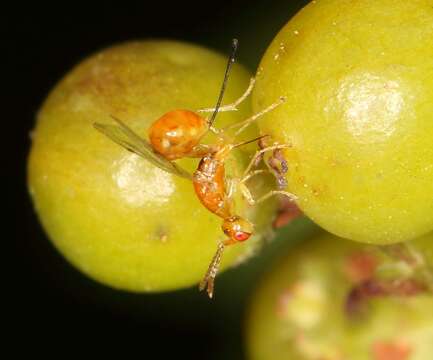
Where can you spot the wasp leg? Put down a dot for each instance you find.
(253, 173)
(244, 124)
(233, 106)
(259, 155)
(201, 150)
(231, 184)
(249, 197)
(246, 193)
(292, 197)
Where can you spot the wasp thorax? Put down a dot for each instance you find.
(237, 228)
(175, 134)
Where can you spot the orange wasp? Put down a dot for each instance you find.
(177, 134)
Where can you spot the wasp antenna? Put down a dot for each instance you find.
(209, 279)
(250, 141)
(224, 84)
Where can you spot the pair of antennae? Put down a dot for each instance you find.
(224, 84)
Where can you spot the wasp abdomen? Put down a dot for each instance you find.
(176, 133)
(209, 185)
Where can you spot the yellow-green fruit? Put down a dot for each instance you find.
(333, 299)
(358, 77)
(115, 216)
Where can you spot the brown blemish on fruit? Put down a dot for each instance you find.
(102, 83)
(287, 211)
(360, 266)
(372, 288)
(301, 179)
(318, 190)
(161, 235)
(100, 79)
(391, 350)
(315, 191)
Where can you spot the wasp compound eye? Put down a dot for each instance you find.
(237, 228)
(242, 236)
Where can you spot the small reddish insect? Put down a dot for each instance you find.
(178, 134)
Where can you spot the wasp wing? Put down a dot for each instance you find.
(127, 138)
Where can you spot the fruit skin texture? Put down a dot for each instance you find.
(300, 309)
(358, 77)
(115, 216)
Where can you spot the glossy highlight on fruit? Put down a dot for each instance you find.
(115, 216)
(333, 299)
(358, 77)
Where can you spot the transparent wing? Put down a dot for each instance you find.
(124, 136)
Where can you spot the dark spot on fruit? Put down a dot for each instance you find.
(360, 294)
(360, 266)
(161, 234)
(287, 211)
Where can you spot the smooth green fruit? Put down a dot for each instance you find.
(358, 77)
(115, 216)
(334, 299)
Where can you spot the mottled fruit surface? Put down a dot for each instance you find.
(333, 299)
(358, 77)
(115, 216)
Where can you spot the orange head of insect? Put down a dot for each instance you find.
(176, 133)
(237, 229)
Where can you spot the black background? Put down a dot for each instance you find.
(52, 307)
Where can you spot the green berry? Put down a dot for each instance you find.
(332, 299)
(115, 216)
(358, 78)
